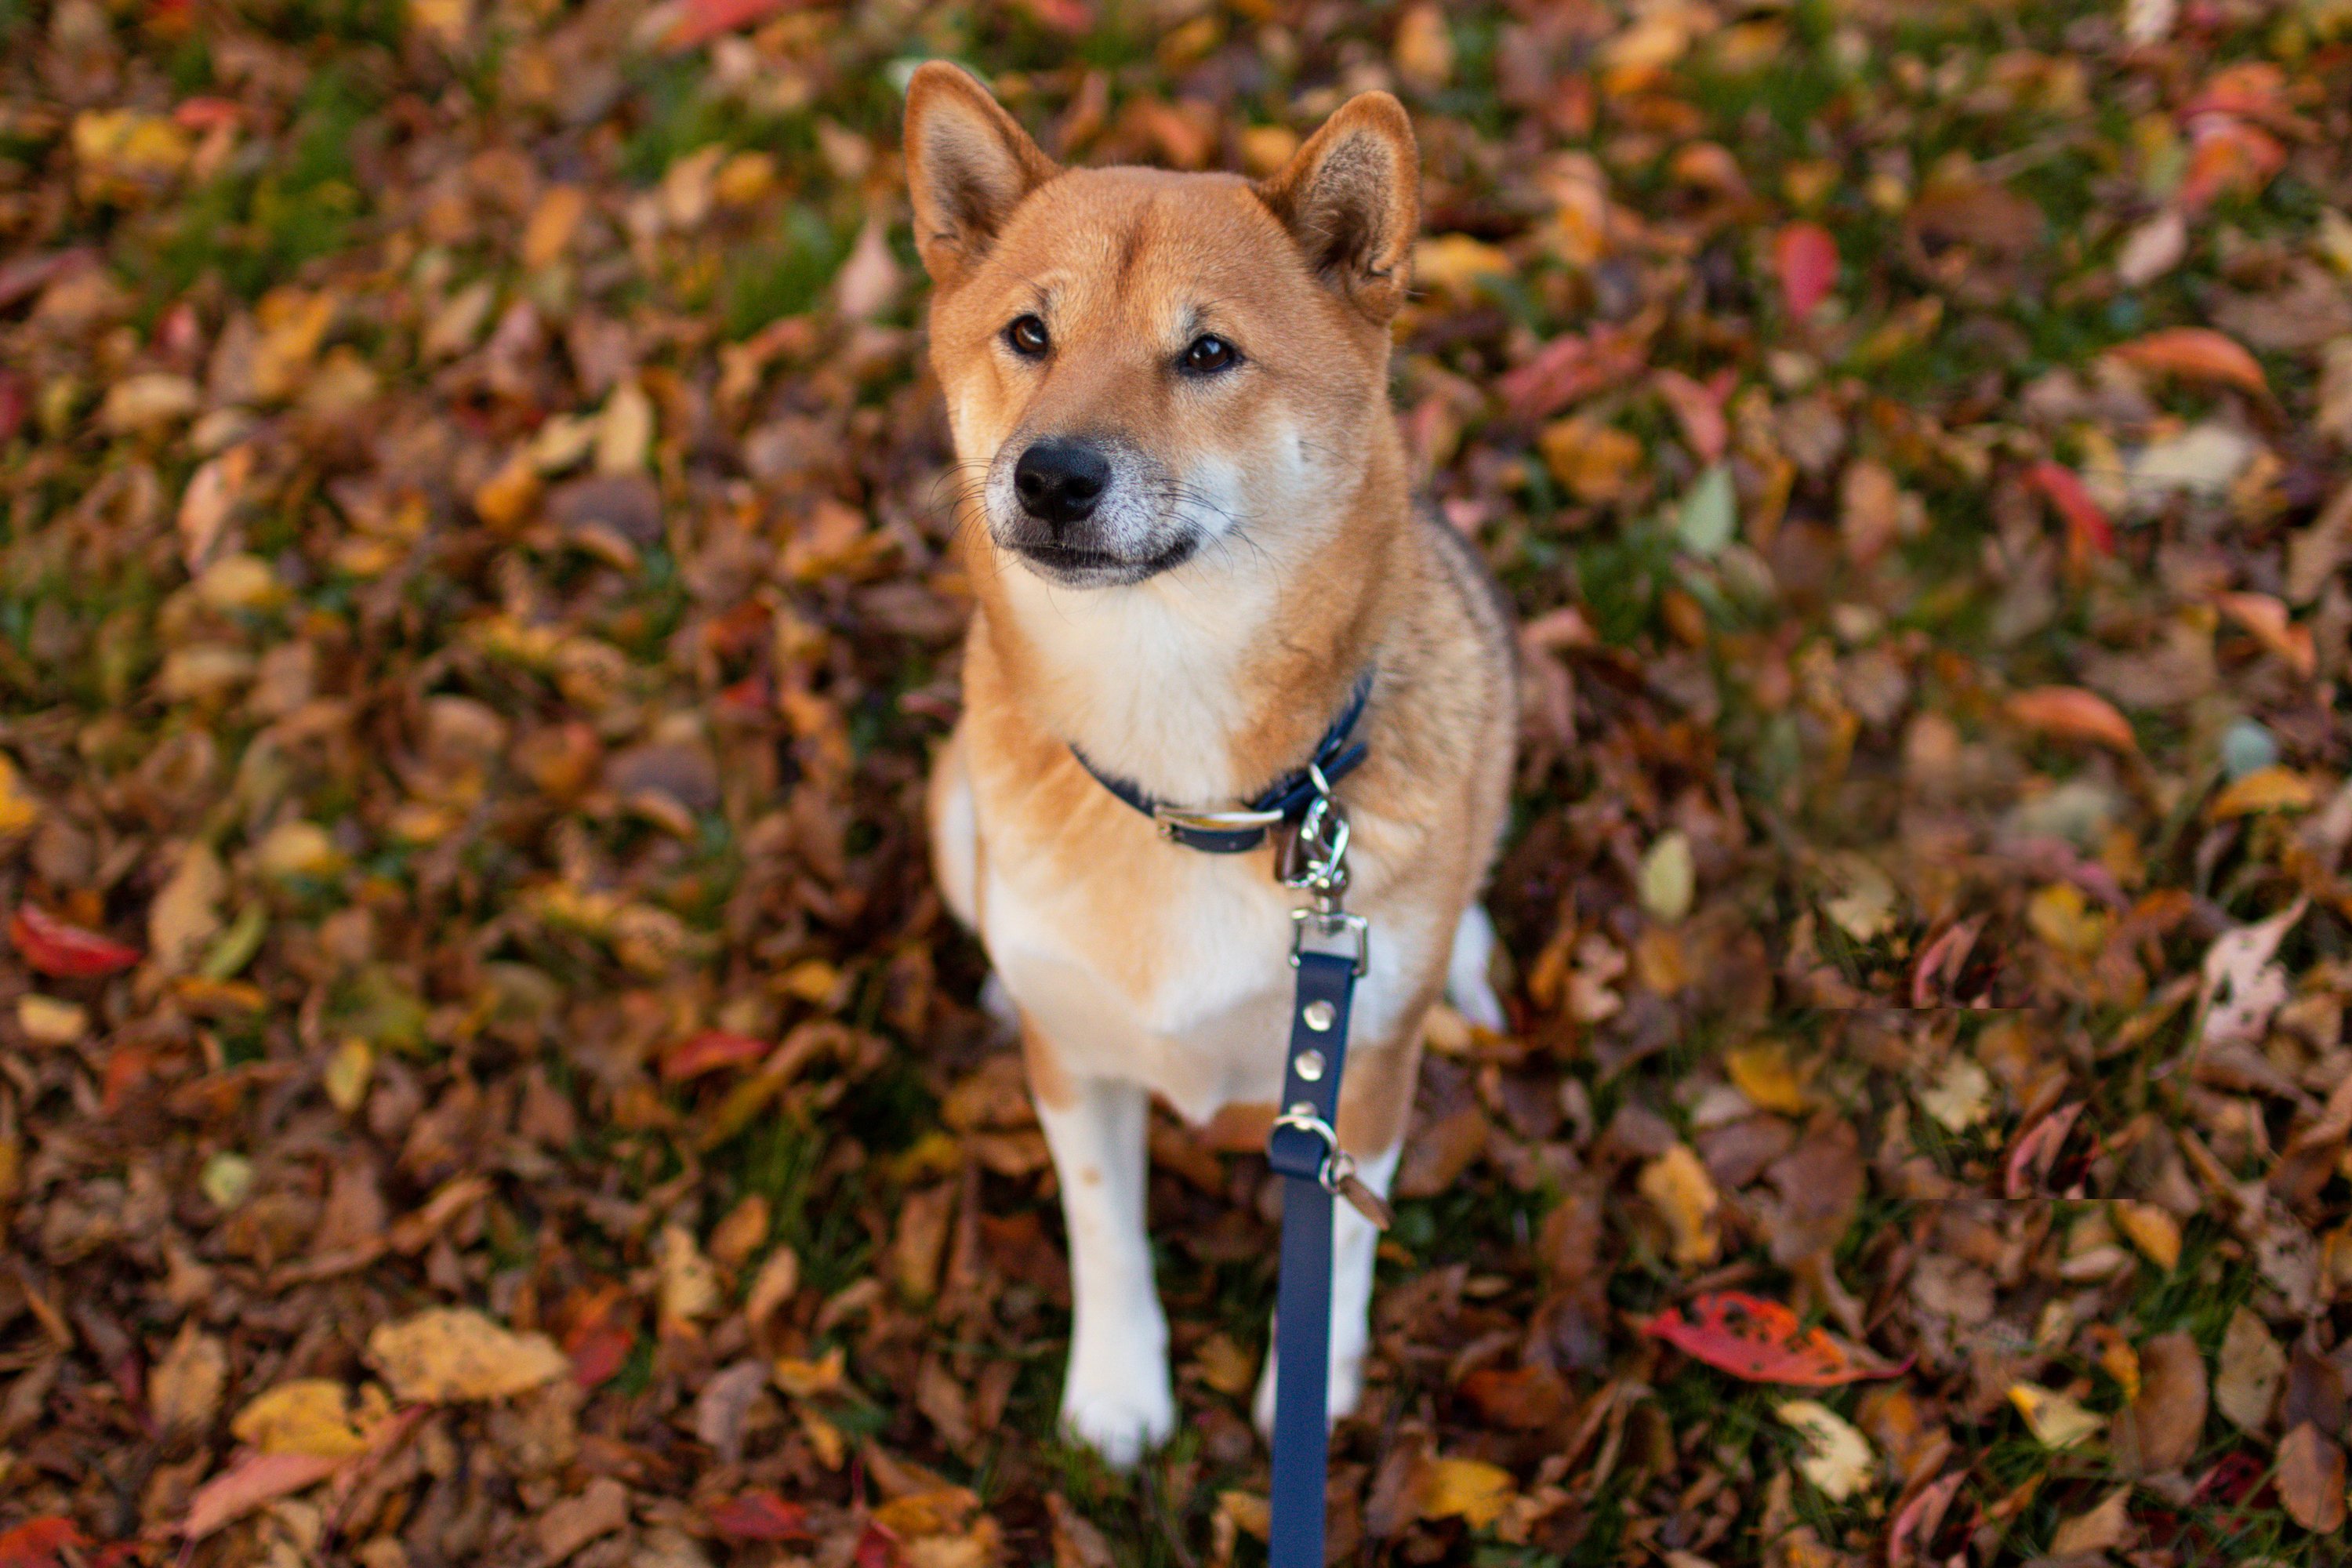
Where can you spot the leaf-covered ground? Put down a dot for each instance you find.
(484, 1078)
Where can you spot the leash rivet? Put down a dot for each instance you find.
(1317, 1014)
(1310, 1066)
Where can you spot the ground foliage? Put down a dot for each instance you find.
(484, 1078)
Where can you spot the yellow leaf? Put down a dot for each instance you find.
(2055, 1421)
(1762, 1072)
(505, 497)
(50, 1021)
(1424, 49)
(1454, 262)
(453, 1354)
(1470, 1489)
(308, 1415)
(348, 1073)
(805, 1379)
(1594, 460)
(1839, 1459)
(297, 848)
(927, 1513)
(1679, 1188)
(2153, 1230)
(689, 1285)
(554, 218)
(624, 432)
(2264, 789)
(2062, 917)
(18, 809)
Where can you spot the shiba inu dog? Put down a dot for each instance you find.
(1191, 549)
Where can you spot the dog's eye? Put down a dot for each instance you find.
(1210, 353)
(1027, 336)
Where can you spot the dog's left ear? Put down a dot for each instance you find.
(969, 164)
(1351, 198)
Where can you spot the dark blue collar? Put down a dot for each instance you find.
(1283, 801)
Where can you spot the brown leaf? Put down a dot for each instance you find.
(571, 1524)
(2311, 1479)
(2160, 1430)
(2072, 714)
(2246, 1387)
(185, 1389)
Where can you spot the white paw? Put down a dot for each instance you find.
(1122, 1422)
(1344, 1392)
(1467, 984)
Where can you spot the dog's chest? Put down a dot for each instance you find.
(1172, 972)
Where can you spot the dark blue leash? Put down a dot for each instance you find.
(1304, 1147)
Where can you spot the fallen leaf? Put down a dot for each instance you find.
(307, 1416)
(2311, 1479)
(2072, 714)
(39, 1543)
(1760, 1341)
(2151, 1229)
(252, 1480)
(2240, 987)
(53, 947)
(1839, 1459)
(1805, 258)
(185, 1387)
(2161, 1429)
(759, 1515)
(2195, 353)
(448, 1355)
(2106, 1528)
(2252, 1367)
(2055, 1420)
(2088, 531)
(1678, 1187)
(2152, 250)
(1667, 881)
(1469, 1490)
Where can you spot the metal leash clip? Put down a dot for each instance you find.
(1336, 1173)
(1315, 858)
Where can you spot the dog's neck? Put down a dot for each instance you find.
(1205, 683)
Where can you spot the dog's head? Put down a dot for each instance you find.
(1140, 364)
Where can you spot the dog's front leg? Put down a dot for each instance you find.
(1115, 1398)
(1353, 1243)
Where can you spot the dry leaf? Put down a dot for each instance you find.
(2055, 1420)
(452, 1354)
(2311, 1479)
(2246, 1384)
(1678, 1187)
(1839, 1459)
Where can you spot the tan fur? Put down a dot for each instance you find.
(1241, 656)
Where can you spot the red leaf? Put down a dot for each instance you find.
(703, 20)
(2195, 353)
(598, 1352)
(1806, 257)
(16, 402)
(761, 1515)
(2036, 1150)
(37, 1543)
(53, 947)
(2088, 527)
(1569, 368)
(252, 1481)
(1760, 1341)
(203, 114)
(1698, 406)
(878, 1548)
(708, 1052)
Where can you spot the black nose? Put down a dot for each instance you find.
(1060, 481)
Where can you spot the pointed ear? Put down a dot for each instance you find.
(1351, 198)
(969, 164)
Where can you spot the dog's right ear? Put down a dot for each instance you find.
(969, 164)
